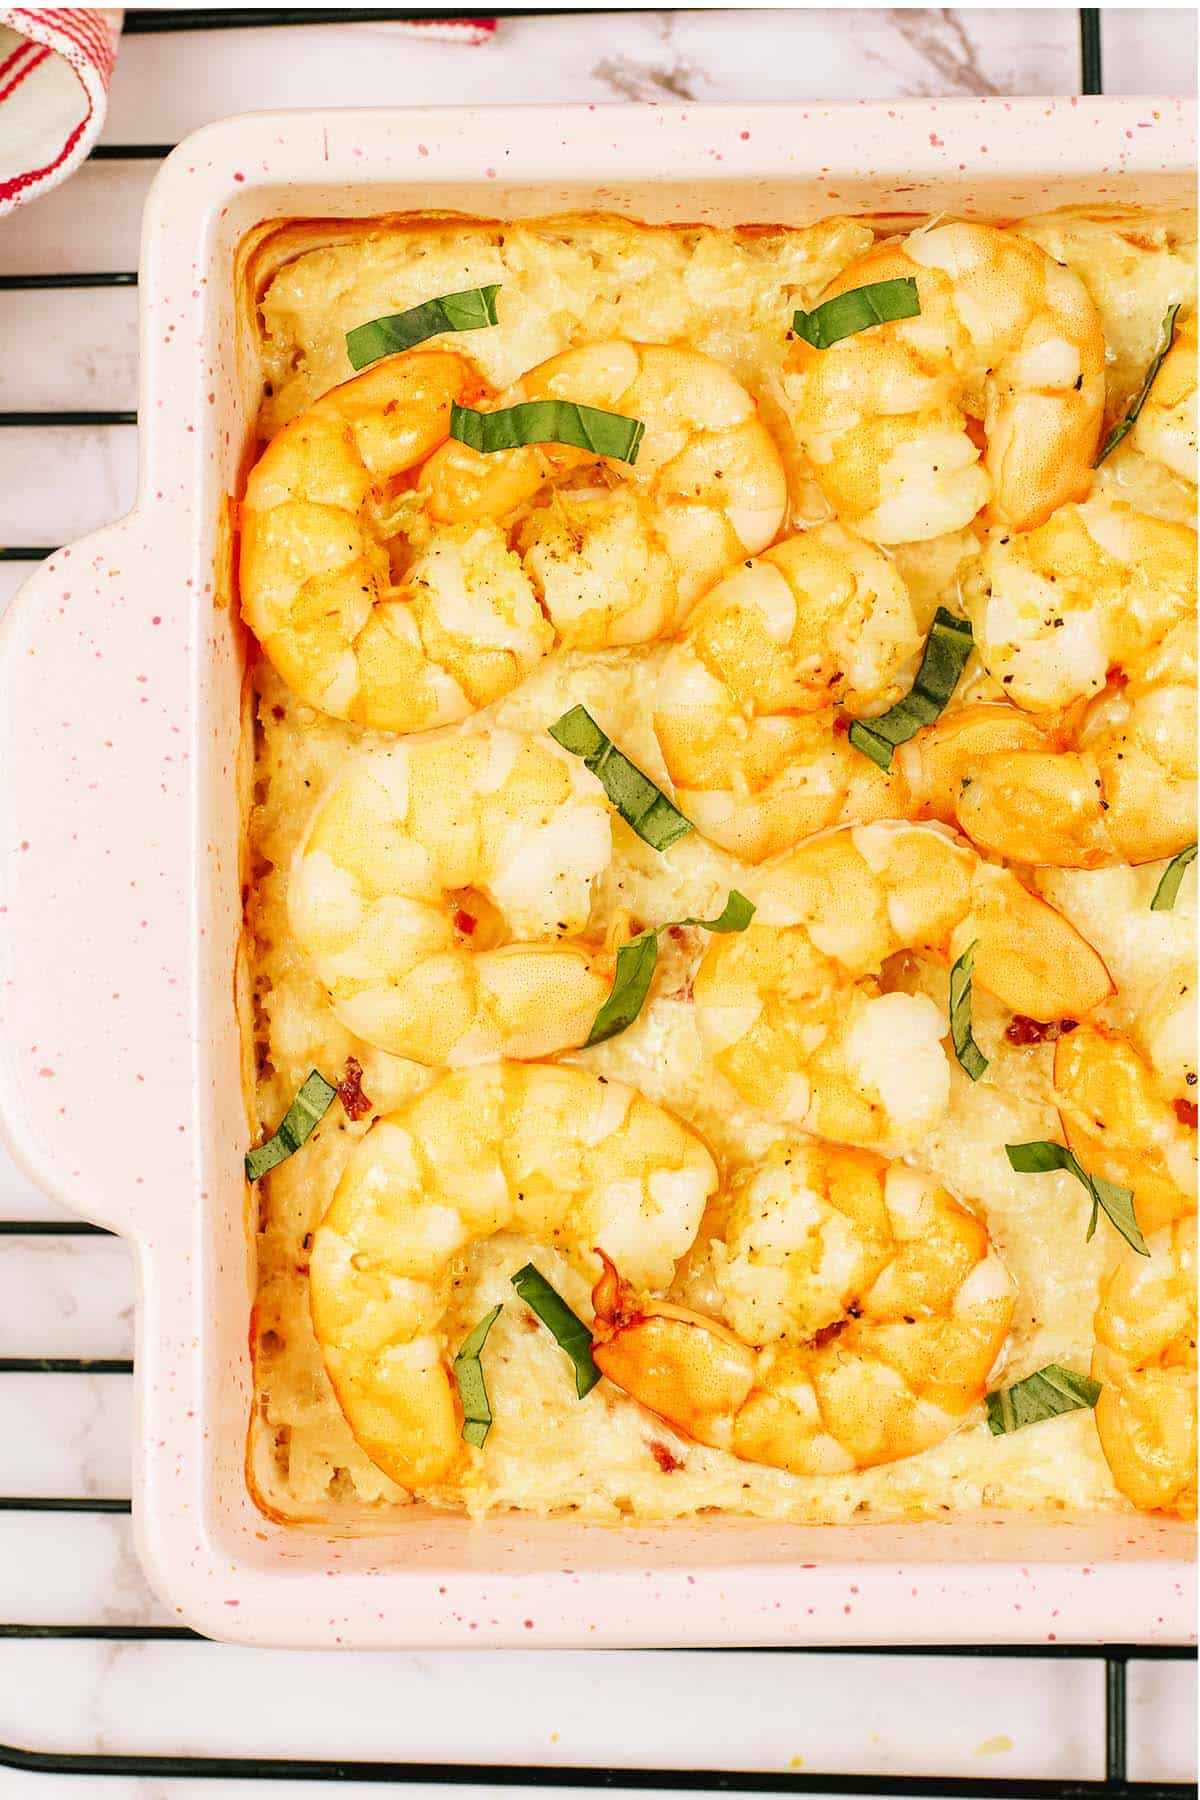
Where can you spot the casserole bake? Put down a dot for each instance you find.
(180, 1126)
(436, 885)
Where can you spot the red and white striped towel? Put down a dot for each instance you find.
(55, 67)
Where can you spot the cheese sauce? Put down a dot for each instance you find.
(730, 294)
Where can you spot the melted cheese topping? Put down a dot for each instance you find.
(727, 293)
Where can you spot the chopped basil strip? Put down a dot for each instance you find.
(942, 662)
(857, 310)
(468, 310)
(1116, 1202)
(306, 1111)
(472, 1388)
(568, 1330)
(636, 962)
(970, 1056)
(641, 805)
(735, 915)
(1168, 888)
(549, 422)
(1127, 423)
(1043, 1395)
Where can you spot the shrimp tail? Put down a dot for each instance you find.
(689, 1370)
(613, 1301)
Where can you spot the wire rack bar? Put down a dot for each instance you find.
(129, 152)
(928, 1787)
(1116, 1761)
(84, 416)
(225, 18)
(1092, 74)
(1108, 1653)
(66, 1503)
(83, 279)
(65, 1365)
(51, 1227)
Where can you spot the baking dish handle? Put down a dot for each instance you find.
(93, 920)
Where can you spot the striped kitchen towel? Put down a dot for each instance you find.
(55, 67)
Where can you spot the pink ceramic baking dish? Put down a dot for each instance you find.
(120, 736)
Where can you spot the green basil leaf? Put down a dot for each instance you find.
(636, 962)
(472, 1388)
(970, 1056)
(567, 1328)
(1115, 1202)
(857, 310)
(942, 662)
(548, 422)
(643, 806)
(468, 310)
(1127, 423)
(735, 915)
(1168, 888)
(306, 1111)
(1043, 1395)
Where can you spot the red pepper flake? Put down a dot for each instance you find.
(465, 922)
(354, 1101)
(1187, 1113)
(1023, 1031)
(841, 726)
(665, 1457)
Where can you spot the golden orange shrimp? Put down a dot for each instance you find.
(456, 625)
(555, 1152)
(792, 1010)
(1122, 1128)
(1007, 349)
(1088, 623)
(617, 552)
(441, 891)
(397, 578)
(863, 1310)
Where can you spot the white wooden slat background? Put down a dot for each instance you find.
(73, 1296)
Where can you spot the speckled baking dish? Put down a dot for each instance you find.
(121, 734)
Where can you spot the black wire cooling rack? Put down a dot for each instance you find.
(1115, 1785)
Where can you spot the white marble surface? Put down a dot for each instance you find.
(74, 1296)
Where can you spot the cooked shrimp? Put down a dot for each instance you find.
(559, 1153)
(863, 1311)
(1145, 1356)
(400, 652)
(1007, 346)
(793, 1012)
(1120, 1125)
(437, 890)
(745, 708)
(1089, 622)
(1166, 426)
(618, 552)
(754, 701)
